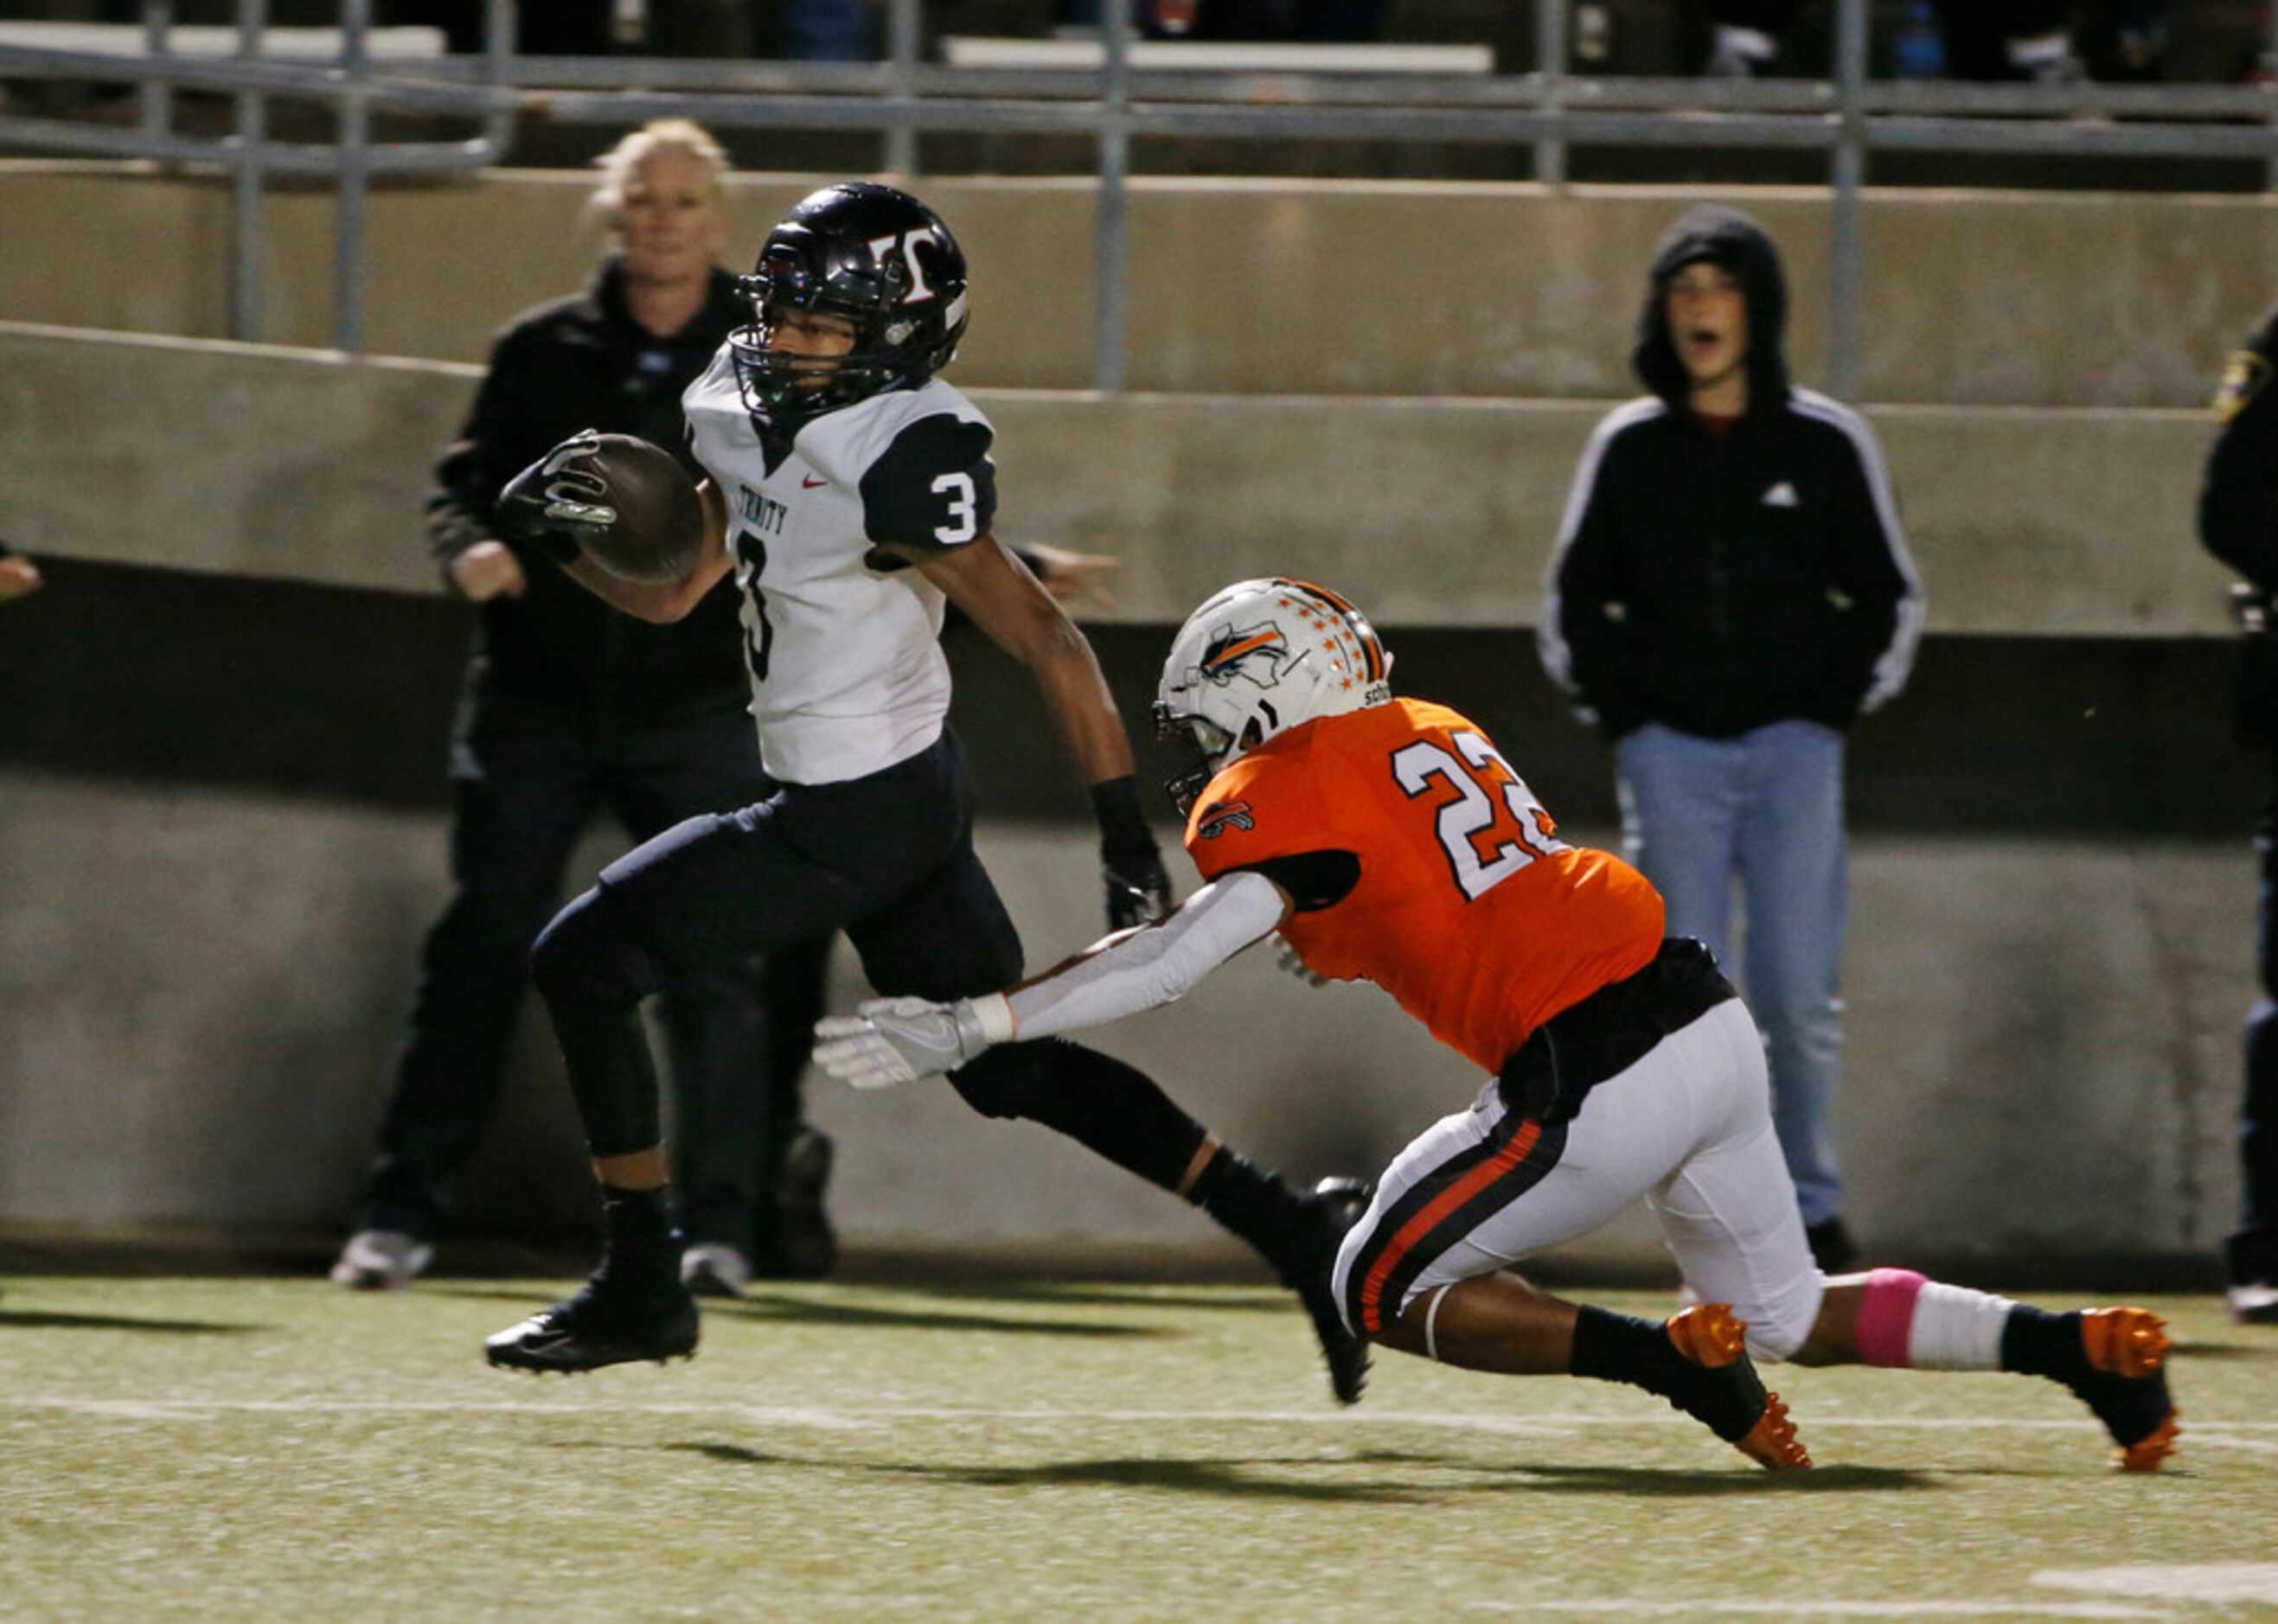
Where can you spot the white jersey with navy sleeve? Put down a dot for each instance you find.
(841, 636)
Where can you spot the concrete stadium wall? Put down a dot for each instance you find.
(240, 459)
(1261, 287)
(199, 985)
(200, 992)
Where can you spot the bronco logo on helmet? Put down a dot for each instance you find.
(1255, 652)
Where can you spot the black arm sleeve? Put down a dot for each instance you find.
(934, 488)
(2238, 497)
(1314, 879)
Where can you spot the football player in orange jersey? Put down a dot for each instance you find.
(1388, 840)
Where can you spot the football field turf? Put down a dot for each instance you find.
(280, 1449)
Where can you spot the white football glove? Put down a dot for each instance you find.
(900, 1041)
(1292, 963)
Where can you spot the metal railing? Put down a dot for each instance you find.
(1848, 117)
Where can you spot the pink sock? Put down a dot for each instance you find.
(1908, 1322)
(1886, 1318)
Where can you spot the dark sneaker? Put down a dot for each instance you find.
(1729, 1396)
(1332, 1206)
(2127, 1385)
(800, 1245)
(1831, 1247)
(604, 1324)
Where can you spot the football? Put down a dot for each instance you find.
(659, 532)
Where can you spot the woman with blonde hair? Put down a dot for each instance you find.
(569, 707)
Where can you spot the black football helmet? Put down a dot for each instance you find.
(874, 256)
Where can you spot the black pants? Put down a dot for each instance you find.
(2250, 1253)
(889, 859)
(527, 780)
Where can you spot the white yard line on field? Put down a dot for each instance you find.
(842, 1417)
(1819, 1607)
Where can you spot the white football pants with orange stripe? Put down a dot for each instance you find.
(1688, 1128)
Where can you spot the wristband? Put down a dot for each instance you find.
(1122, 826)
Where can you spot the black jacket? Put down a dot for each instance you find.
(2239, 519)
(1716, 581)
(2238, 499)
(575, 363)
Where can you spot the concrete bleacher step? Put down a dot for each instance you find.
(1341, 289)
(131, 40)
(1434, 512)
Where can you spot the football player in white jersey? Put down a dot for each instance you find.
(853, 494)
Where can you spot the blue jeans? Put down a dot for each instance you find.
(1768, 807)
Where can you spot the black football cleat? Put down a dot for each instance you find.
(1724, 1393)
(605, 1323)
(1332, 1206)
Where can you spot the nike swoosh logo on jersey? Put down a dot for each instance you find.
(805, 483)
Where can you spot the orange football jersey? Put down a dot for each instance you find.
(1468, 910)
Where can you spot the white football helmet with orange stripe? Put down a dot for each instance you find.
(1258, 658)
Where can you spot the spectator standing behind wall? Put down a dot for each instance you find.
(2239, 522)
(1983, 39)
(570, 707)
(19, 578)
(1730, 589)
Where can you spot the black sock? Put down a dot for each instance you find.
(1615, 1347)
(2035, 1342)
(641, 1238)
(1256, 1205)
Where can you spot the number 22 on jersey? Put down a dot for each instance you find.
(1491, 826)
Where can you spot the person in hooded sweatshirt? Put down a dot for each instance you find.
(1730, 591)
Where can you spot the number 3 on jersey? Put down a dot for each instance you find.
(964, 507)
(758, 636)
(1515, 834)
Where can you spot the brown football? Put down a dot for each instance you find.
(659, 529)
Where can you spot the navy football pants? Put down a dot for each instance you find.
(887, 858)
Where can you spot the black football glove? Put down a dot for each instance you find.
(552, 498)
(1138, 889)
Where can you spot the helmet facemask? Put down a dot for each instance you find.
(1211, 748)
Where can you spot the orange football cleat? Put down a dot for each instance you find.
(1732, 1402)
